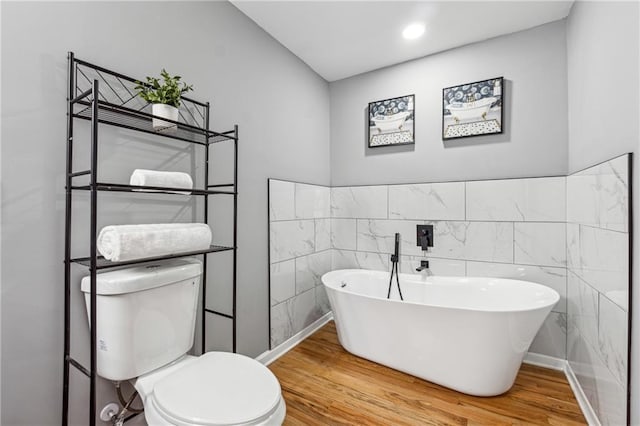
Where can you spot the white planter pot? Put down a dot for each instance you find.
(165, 111)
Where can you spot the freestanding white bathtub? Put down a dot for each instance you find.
(468, 334)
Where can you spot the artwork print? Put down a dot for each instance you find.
(473, 109)
(391, 122)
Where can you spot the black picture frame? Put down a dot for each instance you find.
(470, 116)
(401, 109)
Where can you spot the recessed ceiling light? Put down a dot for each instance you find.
(413, 31)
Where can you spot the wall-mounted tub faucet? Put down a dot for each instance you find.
(424, 236)
(424, 264)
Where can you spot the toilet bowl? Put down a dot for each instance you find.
(217, 388)
(145, 327)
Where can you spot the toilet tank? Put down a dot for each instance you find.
(145, 316)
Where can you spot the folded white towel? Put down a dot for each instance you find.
(128, 242)
(142, 177)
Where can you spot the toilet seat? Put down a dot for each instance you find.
(217, 388)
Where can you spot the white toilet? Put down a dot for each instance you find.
(146, 324)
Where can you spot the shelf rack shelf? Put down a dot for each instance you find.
(127, 118)
(118, 187)
(105, 97)
(103, 263)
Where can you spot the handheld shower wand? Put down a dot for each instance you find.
(394, 267)
(394, 256)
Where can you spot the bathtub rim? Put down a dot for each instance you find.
(501, 311)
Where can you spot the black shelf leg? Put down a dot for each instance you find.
(204, 260)
(67, 245)
(235, 235)
(206, 220)
(93, 249)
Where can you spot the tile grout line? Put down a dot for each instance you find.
(430, 256)
(595, 290)
(541, 222)
(597, 227)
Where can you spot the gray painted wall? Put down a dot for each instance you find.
(281, 106)
(533, 63)
(603, 65)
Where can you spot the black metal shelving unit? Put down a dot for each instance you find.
(105, 97)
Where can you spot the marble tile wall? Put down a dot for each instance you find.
(299, 253)
(512, 228)
(598, 286)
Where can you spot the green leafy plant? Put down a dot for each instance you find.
(168, 91)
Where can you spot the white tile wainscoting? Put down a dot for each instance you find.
(568, 233)
(299, 254)
(598, 247)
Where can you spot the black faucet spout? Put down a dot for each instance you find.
(424, 264)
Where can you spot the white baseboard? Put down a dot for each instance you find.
(269, 356)
(563, 365)
(545, 361)
(588, 411)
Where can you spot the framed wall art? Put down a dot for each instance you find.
(391, 122)
(473, 109)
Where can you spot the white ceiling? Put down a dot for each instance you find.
(339, 39)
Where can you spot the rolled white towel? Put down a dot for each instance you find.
(128, 242)
(143, 177)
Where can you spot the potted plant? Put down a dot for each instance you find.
(165, 98)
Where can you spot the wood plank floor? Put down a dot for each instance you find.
(325, 385)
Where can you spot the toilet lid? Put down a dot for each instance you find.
(219, 388)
